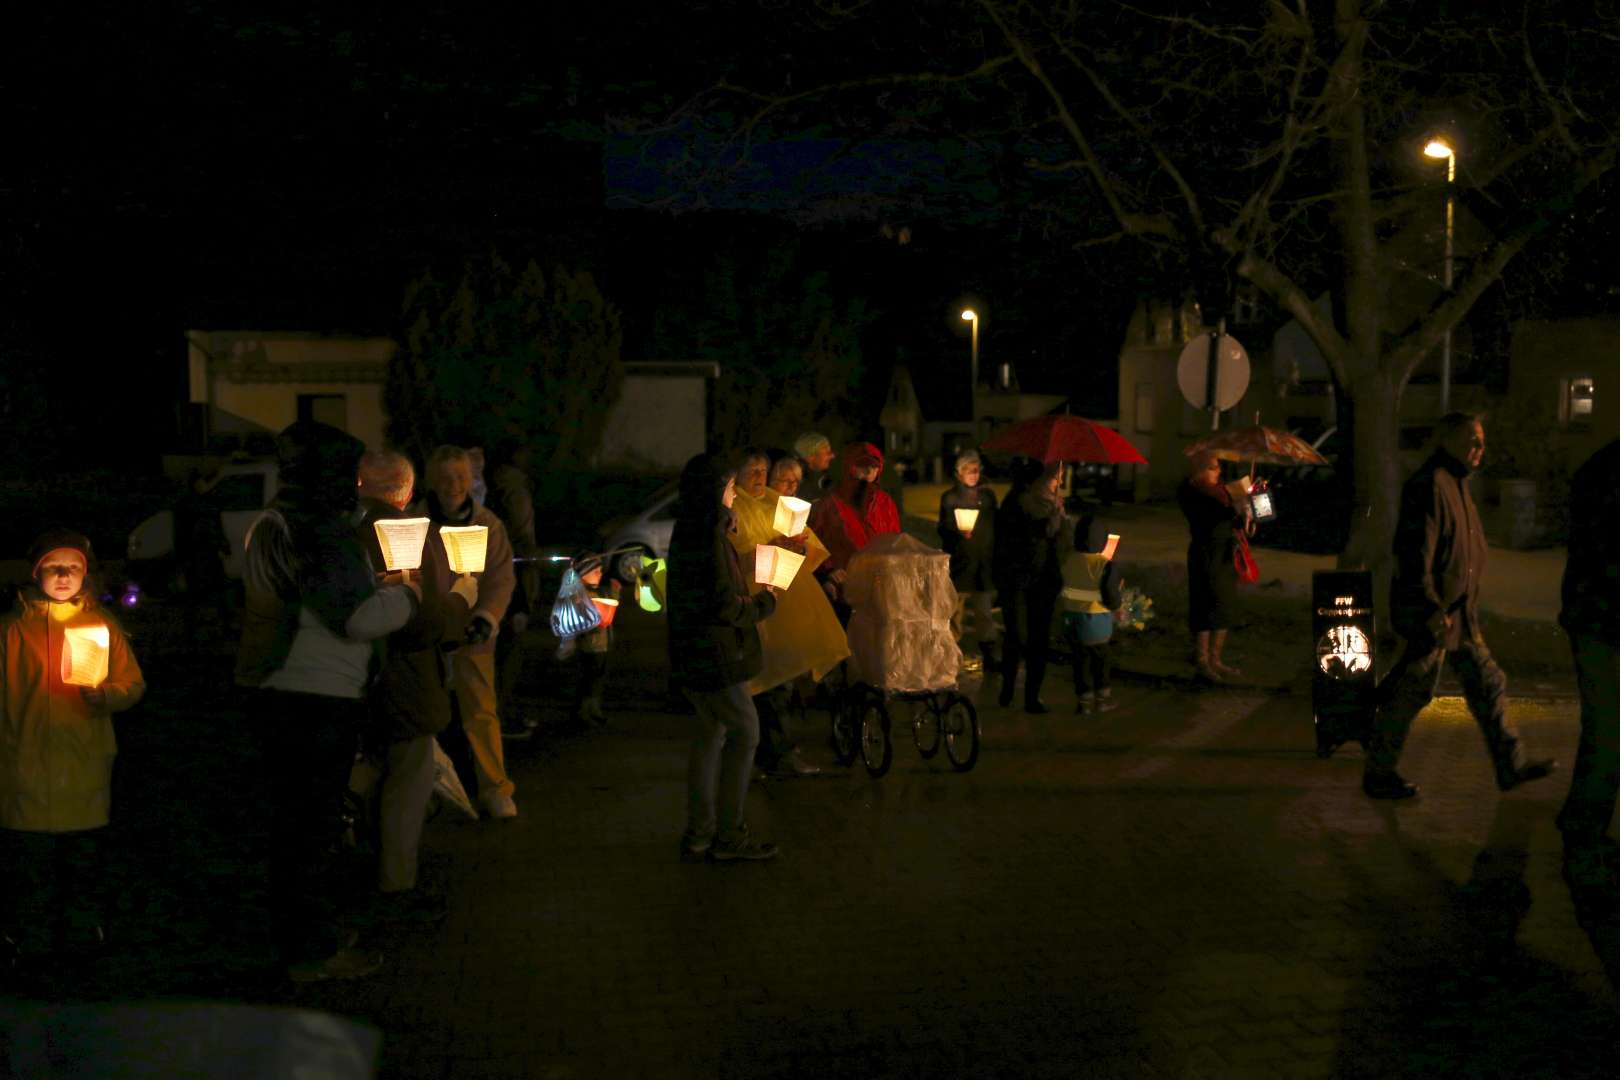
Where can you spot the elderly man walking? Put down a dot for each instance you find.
(1439, 560)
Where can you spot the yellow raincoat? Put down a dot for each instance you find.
(803, 635)
(56, 749)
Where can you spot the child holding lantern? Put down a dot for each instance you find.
(592, 648)
(67, 668)
(1091, 595)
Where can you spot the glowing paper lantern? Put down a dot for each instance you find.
(791, 515)
(465, 546)
(608, 608)
(650, 584)
(1344, 651)
(1111, 547)
(401, 540)
(966, 519)
(775, 565)
(84, 655)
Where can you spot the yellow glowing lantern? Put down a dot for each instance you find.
(966, 519)
(608, 608)
(401, 540)
(465, 546)
(776, 566)
(84, 655)
(1111, 547)
(650, 584)
(791, 515)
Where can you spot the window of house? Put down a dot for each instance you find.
(326, 408)
(1144, 407)
(1578, 400)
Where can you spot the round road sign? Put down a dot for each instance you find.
(1231, 376)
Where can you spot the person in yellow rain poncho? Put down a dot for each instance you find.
(803, 637)
(56, 753)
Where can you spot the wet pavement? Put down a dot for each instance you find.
(1176, 888)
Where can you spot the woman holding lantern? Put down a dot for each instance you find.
(804, 637)
(967, 515)
(67, 669)
(1030, 542)
(1211, 574)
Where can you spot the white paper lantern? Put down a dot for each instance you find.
(775, 565)
(401, 540)
(465, 546)
(791, 515)
(84, 655)
(966, 519)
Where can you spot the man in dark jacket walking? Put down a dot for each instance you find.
(714, 649)
(1439, 559)
(1591, 617)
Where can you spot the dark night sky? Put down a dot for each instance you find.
(202, 168)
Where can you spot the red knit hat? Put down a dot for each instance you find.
(55, 540)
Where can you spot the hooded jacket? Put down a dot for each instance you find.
(713, 635)
(1090, 582)
(56, 749)
(842, 525)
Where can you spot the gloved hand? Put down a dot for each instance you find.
(466, 587)
(479, 630)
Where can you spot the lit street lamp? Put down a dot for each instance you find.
(1439, 148)
(971, 316)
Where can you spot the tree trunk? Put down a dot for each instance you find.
(1378, 480)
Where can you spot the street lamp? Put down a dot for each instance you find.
(1439, 148)
(971, 316)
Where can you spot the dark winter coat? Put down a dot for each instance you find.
(1439, 555)
(1029, 543)
(1591, 590)
(970, 556)
(713, 640)
(1212, 523)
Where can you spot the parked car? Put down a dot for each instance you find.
(238, 493)
(643, 536)
(1311, 502)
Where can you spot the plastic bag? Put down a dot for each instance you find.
(447, 785)
(900, 633)
(574, 613)
(1248, 571)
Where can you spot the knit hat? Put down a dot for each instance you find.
(54, 540)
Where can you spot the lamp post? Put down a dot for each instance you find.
(1439, 148)
(971, 316)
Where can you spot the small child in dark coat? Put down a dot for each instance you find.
(591, 649)
(1091, 595)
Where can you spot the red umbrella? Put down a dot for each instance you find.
(1064, 438)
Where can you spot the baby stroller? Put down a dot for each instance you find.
(901, 650)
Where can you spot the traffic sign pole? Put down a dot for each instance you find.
(1212, 376)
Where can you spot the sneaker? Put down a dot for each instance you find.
(499, 806)
(695, 851)
(1084, 703)
(751, 850)
(343, 964)
(792, 764)
(1101, 705)
(1387, 785)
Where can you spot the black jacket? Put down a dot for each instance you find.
(1029, 543)
(1439, 555)
(970, 557)
(1591, 589)
(713, 643)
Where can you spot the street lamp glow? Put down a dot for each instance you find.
(1439, 149)
(969, 315)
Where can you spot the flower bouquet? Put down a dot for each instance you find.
(1135, 609)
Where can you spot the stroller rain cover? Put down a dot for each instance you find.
(900, 632)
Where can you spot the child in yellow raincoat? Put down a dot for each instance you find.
(804, 636)
(57, 747)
